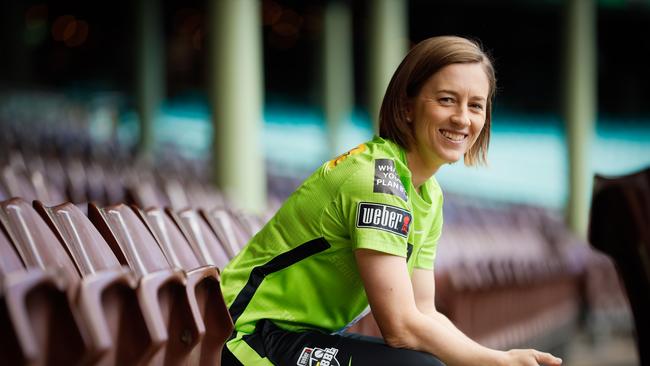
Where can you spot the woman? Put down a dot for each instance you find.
(363, 230)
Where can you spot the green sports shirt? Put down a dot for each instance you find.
(300, 272)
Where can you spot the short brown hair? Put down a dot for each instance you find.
(424, 60)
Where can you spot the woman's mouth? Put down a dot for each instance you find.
(453, 136)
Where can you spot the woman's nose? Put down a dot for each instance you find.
(461, 116)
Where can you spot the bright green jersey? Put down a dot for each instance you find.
(300, 272)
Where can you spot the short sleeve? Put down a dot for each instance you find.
(375, 220)
(427, 254)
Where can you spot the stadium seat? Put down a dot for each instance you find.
(226, 229)
(107, 290)
(141, 189)
(173, 320)
(205, 244)
(16, 183)
(202, 285)
(41, 299)
(248, 224)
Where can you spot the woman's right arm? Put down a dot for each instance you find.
(391, 298)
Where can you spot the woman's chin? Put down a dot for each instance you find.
(452, 158)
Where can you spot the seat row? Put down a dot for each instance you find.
(117, 286)
(53, 180)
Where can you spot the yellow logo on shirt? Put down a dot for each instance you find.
(333, 163)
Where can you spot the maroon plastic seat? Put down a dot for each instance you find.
(202, 195)
(141, 189)
(46, 190)
(76, 178)
(31, 303)
(175, 192)
(202, 285)
(40, 299)
(107, 290)
(16, 183)
(227, 230)
(248, 223)
(174, 321)
(205, 244)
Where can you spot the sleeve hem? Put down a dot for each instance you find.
(382, 248)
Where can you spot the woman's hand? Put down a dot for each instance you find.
(531, 357)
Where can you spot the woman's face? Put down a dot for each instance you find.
(449, 113)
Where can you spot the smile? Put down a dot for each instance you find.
(453, 136)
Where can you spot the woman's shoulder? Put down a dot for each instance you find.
(368, 172)
(362, 156)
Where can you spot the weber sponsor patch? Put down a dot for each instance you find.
(318, 357)
(387, 180)
(384, 217)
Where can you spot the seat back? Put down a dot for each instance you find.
(9, 260)
(141, 189)
(35, 242)
(88, 249)
(17, 183)
(131, 242)
(205, 244)
(249, 224)
(226, 229)
(170, 239)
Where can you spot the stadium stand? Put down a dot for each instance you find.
(145, 257)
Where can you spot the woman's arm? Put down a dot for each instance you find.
(424, 293)
(404, 325)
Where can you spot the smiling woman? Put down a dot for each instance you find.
(447, 116)
(361, 233)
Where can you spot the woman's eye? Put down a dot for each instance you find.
(477, 106)
(446, 100)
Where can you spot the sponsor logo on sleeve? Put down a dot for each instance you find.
(339, 159)
(318, 357)
(387, 180)
(384, 217)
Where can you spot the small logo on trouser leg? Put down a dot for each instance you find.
(318, 357)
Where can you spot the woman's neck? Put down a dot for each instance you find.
(421, 171)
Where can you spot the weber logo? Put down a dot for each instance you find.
(384, 217)
(387, 180)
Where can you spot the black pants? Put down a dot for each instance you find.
(282, 347)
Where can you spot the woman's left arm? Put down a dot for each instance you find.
(424, 291)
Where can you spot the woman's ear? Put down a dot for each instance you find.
(408, 111)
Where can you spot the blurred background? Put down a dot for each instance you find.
(249, 97)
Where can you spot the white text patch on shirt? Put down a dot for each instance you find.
(387, 180)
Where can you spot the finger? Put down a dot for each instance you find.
(547, 359)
